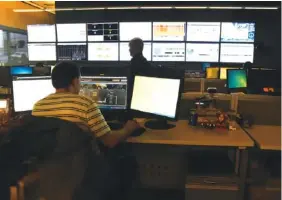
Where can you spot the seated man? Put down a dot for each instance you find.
(67, 104)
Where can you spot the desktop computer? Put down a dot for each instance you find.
(158, 97)
(28, 90)
(109, 92)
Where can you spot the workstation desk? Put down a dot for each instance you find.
(266, 158)
(185, 136)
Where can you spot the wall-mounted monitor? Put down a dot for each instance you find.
(237, 32)
(103, 51)
(236, 53)
(130, 30)
(168, 31)
(168, 52)
(71, 32)
(71, 51)
(100, 32)
(42, 52)
(41, 33)
(125, 55)
(203, 31)
(202, 52)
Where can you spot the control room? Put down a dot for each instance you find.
(131, 100)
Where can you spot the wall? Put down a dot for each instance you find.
(268, 24)
(9, 18)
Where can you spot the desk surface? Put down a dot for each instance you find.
(267, 137)
(183, 134)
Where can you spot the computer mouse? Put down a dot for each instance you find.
(138, 132)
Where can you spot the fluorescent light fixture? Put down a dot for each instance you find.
(64, 9)
(261, 8)
(122, 8)
(163, 7)
(225, 7)
(28, 10)
(192, 7)
(89, 8)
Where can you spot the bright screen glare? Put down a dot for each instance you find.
(27, 91)
(130, 30)
(158, 96)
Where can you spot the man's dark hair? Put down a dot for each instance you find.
(63, 74)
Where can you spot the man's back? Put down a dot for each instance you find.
(74, 108)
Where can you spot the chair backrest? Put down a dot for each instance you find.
(28, 187)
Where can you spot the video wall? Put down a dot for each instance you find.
(226, 42)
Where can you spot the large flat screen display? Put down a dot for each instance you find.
(42, 52)
(168, 31)
(237, 32)
(71, 32)
(236, 53)
(71, 51)
(203, 31)
(202, 52)
(41, 33)
(103, 51)
(168, 52)
(100, 32)
(130, 30)
(125, 55)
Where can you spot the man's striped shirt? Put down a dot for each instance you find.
(74, 108)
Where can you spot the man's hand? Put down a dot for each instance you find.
(131, 126)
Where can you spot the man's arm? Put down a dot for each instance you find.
(101, 130)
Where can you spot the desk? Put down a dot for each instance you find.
(266, 137)
(184, 134)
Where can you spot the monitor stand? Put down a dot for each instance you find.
(158, 124)
(115, 125)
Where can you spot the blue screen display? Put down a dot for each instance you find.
(21, 70)
(236, 78)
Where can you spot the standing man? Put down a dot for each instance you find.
(67, 104)
(138, 64)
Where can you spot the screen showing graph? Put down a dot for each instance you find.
(71, 51)
(168, 31)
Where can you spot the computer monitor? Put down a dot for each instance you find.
(261, 78)
(21, 70)
(212, 72)
(156, 96)
(28, 90)
(109, 92)
(236, 79)
(223, 72)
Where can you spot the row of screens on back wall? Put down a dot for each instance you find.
(159, 51)
(147, 31)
